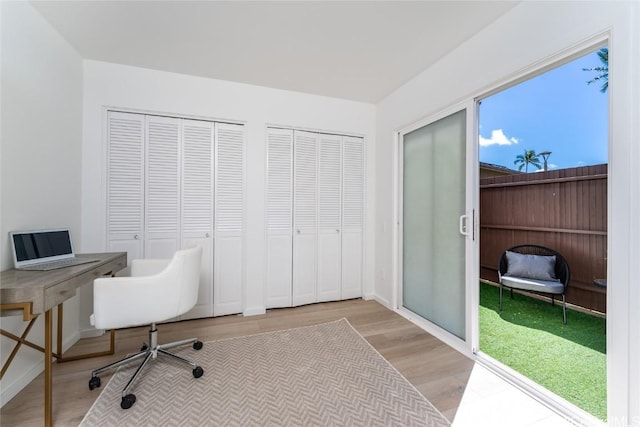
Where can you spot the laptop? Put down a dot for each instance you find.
(44, 250)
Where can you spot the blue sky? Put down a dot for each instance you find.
(556, 111)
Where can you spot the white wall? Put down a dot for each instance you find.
(112, 85)
(531, 33)
(41, 146)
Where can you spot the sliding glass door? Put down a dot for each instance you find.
(436, 222)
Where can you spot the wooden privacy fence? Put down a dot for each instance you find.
(564, 209)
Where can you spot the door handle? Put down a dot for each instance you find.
(464, 225)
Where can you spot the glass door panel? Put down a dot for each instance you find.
(433, 201)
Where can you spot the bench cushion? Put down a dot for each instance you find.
(548, 286)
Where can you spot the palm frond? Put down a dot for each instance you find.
(602, 70)
(605, 87)
(603, 54)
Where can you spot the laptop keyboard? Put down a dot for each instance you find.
(53, 265)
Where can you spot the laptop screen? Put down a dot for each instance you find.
(37, 246)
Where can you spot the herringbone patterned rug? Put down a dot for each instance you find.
(322, 375)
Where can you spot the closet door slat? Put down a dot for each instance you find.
(353, 186)
(229, 219)
(229, 180)
(279, 179)
(329, 214)
(162, 175)
(197, 177)
(305, 182)
(305, 208)
(279, 216)
(330, 168)
(197, 205)
(125, 183)
(125, 178)
(353, 183)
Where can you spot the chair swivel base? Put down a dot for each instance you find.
(148, 352)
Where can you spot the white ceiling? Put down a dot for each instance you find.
(358, 50)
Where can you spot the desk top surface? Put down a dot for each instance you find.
(46, 288)
(13, 278)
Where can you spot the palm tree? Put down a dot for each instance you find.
(524, 160)
(603, 70)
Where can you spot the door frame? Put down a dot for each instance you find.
(470, 342)
(521, 381)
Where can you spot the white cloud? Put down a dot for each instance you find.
(497, 138)
(549, 167)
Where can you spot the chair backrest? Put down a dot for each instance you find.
(178, 283)
(188, 267)
(151, 294)
(561, 268)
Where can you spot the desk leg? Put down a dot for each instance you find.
(48, 356)
(61, 359)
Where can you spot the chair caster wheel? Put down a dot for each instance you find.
(94, 382)
(197, 345)
(128, 401)
(197, 372)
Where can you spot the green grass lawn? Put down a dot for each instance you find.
(529, 336)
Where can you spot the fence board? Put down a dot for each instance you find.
(564, 209)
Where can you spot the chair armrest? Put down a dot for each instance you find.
(148, 267)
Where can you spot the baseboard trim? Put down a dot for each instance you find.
(254, 311)
(382, 301)
(70, 341)
(10, 391)
(91, 333)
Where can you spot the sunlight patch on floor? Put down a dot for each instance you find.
(489, 400)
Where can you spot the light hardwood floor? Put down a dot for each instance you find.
(438, 371)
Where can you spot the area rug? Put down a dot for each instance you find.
(321, 375)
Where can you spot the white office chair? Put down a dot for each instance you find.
(157, 290)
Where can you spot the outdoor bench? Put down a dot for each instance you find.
(534, 268)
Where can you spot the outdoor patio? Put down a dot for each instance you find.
(565, 210)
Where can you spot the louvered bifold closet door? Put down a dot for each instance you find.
(229, 219)
(329, 217)
(352, 216)
(197, 205)
(305, 215)
(125, 183)
(162, 195)
(279, 216)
